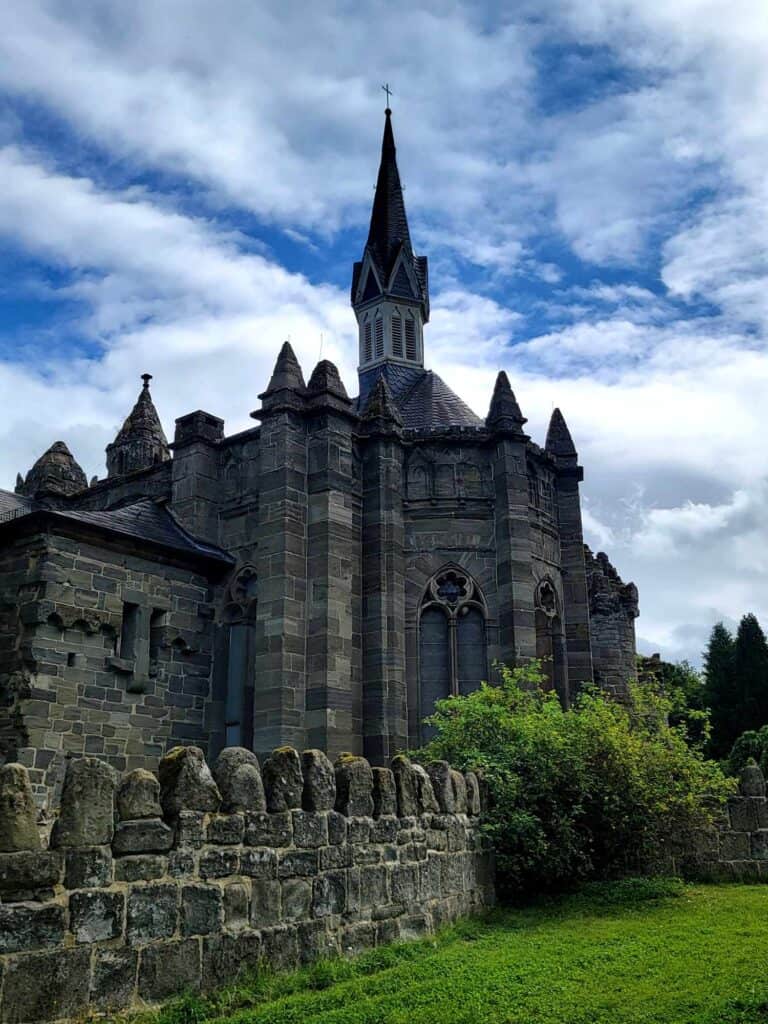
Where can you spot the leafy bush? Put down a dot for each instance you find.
(586, 793)
(753, 743)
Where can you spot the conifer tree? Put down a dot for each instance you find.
(721, 692)
(751, 672)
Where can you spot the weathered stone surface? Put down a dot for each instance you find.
(218, 863)
(238, 776)
(280, 946)
(296, 863)
(751, 781)
(190, 829)
(260, 862)
(329, 894)
(28, 872)
(748, 813)
(337, 828)
(310, 829)
(87, 813)
(138, 796)
(354, 786)
(18, 815)
(459, 791)
(96, 915)
(236, 905)
(152, 913)
(142, 868)
(114, 978)
(30, 926)
(319, 792)
(46, 986)
(148, 835)
(283, 780)
(169, 968)
(186, 782)
(296, 898)
(226, 829)
(405, 787)
(88, 868)
(384, 794)
(425, 794)
(227, 957)
(440, 774)
(201, 909)
(473, 794)
(268, 829)
(265, 902)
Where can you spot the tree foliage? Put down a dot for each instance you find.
(575, 794)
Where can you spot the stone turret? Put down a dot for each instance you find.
(56, 473)
(559, 441)
(141, 442)
(504, 413)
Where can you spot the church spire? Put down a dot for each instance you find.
(390, 292)
(141, 442)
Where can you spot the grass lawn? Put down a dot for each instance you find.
(613, 954)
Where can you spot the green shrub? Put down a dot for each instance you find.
(585, 793)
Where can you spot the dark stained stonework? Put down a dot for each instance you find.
(316, 581)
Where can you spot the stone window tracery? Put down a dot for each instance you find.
(452, 640)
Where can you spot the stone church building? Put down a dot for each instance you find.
(320, 579)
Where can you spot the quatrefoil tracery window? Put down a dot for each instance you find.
(452, 643)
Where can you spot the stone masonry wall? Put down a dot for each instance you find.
(612, 613)
(150, 888)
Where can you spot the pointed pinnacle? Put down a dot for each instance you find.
(287, 372)
(381, 405)
(559, 440)
(504, 413)
(325, 377)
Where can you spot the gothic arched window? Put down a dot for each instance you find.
(452, 641)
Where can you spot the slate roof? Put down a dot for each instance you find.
(143, 520)
(423, 399)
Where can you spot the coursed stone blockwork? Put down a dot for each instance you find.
(131, 903)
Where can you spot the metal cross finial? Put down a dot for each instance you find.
(388, 91)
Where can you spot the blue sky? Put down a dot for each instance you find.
(185, 184)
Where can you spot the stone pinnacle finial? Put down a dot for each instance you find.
(141, 441)
(559, 440)
(55, 472)
(146, 377)
(380, 407)
(504, 413)
(287, 372)
(325, 377)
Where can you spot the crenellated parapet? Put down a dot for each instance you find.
(155, 884)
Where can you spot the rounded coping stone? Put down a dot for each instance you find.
(405, 786)
(319, 792)
(237, 773)
(354, 786)
(752, 782)
(18, 815)
(138, 796)
(425, 793)
(442, 783)
(283, 780)
(186, 783)
(87, 812)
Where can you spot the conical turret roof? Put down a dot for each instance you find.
(559, 440)
(287, 372)
(504, 413)
(141, 441)
(55, 472)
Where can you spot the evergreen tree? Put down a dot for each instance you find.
(751, 672)
(720, 690)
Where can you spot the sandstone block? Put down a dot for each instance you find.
(143, 868)
(405, 787)
(268, 829)
(319, 793)
(751, 781)
(283, 780)
(201, 909)
(296, 863)
(88, 868)
(190, 829)
(66, 975)
(152, 913)
(218, 863)
(280, 946)
(747, 813)
(440, 774)
(186, 782)
(26, 873)
(296, 898)
(310, 829)
(260, 862)
(337, 828)
(87, 813)
(384, 793)
(238, 776)
(18, 815)
(138, 796)
(96, 915)
(114, 978)
(329, 894)
(459, 791)
(236, 905)
(30, 926)
(473, 794)
(265, 902)
(354, 786)
(147, 835)
(169, 968)
(227, 957)
(226, 829)
(425, 794)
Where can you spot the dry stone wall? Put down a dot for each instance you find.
(152, 885)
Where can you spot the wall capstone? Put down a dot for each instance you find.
(18, 814)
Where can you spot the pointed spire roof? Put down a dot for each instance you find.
(141, 441)
(55, 472)
(504, 413)
(559, 440)
(325, 377)
(389, 223)
(287, 372)
(380, 412)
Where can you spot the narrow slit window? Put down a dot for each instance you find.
(397, 335)
(367, 342)
(410, 339)
(129, 631)
(379, 337)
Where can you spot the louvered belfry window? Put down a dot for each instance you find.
(410, 338)
(397, 335)
(379, 333)
(367, 342)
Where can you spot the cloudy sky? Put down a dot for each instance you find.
(184, 184)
